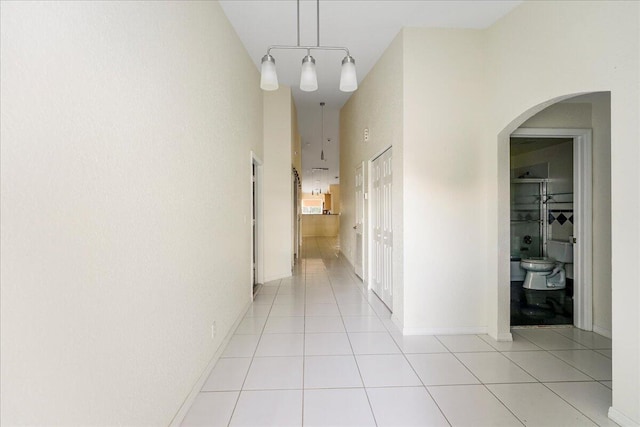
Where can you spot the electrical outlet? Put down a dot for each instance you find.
(213, 330)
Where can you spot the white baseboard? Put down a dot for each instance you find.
(504, 337)
(276, 277)
(602, 331)
(195, 390)
(621, 419)
(342, 254)
(445, 331)
(397, 322)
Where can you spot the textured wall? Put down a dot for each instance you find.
(125, 177)
(376, 105)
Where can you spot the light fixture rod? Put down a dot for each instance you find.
(318, 22)
(308, 75)
(322, 131)
(298, 4)
(308, 48)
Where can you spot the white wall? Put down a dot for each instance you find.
(542, 52)
(376, 105)
(125, 178)
(278, 201)
(444, 225)
(601, 124)
(464, 92)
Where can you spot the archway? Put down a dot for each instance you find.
(502, 291)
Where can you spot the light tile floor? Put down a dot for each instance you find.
(317, 349)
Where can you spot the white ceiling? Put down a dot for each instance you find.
(365, 27)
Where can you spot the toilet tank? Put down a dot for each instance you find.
(560, 251)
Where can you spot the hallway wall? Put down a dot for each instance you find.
(444, 95)
(125, 177)
(378, 106)
(277, 206)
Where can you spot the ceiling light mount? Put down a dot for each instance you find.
(322, 131)
(308, 76)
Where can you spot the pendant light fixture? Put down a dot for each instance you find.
(308, 75)
(322, 132)
(268, 76)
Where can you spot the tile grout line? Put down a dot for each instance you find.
(324, 275)
(538, 381)
(422, 382)
(304, 331)
(548, 388)
(355, 358)
(250, 363)
(569, 403)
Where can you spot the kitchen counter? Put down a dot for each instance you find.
(320, 225)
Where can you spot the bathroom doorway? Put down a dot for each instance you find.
(541, 214)
(550, 208)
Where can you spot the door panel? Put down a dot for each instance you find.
(382, 227)
(359, 220)
(387, 232)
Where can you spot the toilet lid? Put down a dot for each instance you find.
(538, 260)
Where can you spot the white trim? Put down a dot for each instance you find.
(254, 159)
(277, 276)
(195, 390)
(365, 189)
(602, 331)
(397, 321)
(621, 419)
(582, 202)
(445, 331)
(504, 337)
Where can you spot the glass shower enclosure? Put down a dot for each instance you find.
(529, 217)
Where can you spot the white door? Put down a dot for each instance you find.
(359, 219)
(381, 220)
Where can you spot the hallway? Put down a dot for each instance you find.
(316, 349)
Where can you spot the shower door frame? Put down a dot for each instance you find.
(582, 204)
(543, 222)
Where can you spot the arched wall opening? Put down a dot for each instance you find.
(502, 326)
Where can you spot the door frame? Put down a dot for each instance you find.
(295, 216)
(582, 212)
(365, 273)
(259, 237)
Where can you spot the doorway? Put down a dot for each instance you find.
(256, 224)
(296, 185)
(542, 219)
(381, 242)
(560, 206)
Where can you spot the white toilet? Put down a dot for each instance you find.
(548, 273)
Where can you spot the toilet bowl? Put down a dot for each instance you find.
(547, 273)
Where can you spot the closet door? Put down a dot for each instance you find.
(382, 225)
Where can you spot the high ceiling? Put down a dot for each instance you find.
(365, 27)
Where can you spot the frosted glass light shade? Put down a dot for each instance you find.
(308, 76)
(268, 75)
(348, 78)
